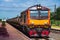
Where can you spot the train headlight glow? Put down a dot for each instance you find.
(32, 22)
(39, 7)
(45, 23)
(32, 25)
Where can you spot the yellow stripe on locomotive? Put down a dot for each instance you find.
(39, 22)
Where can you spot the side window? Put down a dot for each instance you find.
(21, 18)
(24, 17)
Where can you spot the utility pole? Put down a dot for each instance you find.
(54, 12)
(55, 9)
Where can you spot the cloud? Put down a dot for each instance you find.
(7, 0)
(15, 5)
(1, 4)
(27, 3)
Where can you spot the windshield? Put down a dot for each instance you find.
(38, 14)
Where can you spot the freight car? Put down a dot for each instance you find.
(35, 21)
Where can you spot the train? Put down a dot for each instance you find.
(35, 21)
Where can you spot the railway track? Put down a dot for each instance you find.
(55, 31)
(50, 38)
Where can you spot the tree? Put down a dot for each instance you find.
(52, 15)
(58, 13)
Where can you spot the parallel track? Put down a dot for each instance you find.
(55, 31)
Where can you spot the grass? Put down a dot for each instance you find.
(55, 27)
(55, 24)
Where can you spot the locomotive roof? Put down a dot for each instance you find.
(34, 8)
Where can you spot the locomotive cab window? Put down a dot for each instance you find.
(39, 14)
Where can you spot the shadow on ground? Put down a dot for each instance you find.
(3, 32)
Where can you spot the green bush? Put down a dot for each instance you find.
(56, 22)
(3, 23)
(0, 20)
(52, 22)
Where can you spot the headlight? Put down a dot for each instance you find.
(32, 22)
(45, 23)
(32, 25)
(39, 7)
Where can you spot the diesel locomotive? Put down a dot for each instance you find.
(35, 21)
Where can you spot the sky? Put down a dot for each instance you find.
(12, 8)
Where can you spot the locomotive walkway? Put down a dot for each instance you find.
(10, 33)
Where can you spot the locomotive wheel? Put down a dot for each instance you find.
(24, 28)
(46, 38)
